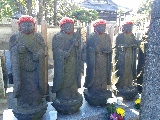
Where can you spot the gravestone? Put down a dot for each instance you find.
(150, 105)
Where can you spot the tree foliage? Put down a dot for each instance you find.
(9, 7)
(85, 15)
(145, 7)
(6, 9)
(64, 8)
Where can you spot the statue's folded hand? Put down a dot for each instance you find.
(135, 45)
(35, 57)
(21, 49)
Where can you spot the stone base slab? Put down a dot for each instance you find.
(86, 112)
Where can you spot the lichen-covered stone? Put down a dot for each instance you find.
(27, 59)
(98, 72)
(125, 58)
(150, 104)
(66, 46)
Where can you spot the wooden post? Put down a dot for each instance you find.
(44, 35)
(88, 30)
(111, 33)
(55, 13)
(14, 25)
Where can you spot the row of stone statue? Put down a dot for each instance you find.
(28, 62)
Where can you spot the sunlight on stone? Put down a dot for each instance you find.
(134, 111)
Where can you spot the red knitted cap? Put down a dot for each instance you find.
(66, 20)
(99, 22)
(26, 18)
(129, 23)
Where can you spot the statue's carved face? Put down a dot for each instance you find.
(127, 28)
(26, 27)
(100, 29)
(67, 28)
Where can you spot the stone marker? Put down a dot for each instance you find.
(3, 101)
(150, 104)
(66, 46)
(98, 59)
(3, 75)
(125, 58)
(27, 58)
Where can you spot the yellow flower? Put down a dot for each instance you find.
(120, 111)
(137, 101)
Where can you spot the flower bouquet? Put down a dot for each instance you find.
(115, 113)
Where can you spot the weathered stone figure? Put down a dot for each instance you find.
(125, 55)
(98, 59)
(150, 105)
(66, 46)
(27, 59)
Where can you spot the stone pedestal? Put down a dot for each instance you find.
(68, 107)
(31, 114)
(97, 99)
(35, 113)
(127, 93)
(8, 114)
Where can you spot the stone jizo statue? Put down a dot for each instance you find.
(66, 46)
(98, 59)
(27, 59)
(125, 57)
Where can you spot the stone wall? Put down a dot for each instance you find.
(6, 31)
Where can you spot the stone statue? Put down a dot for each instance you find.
(27, 59)
(66, 47)
(98, 59)
(125, 55)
